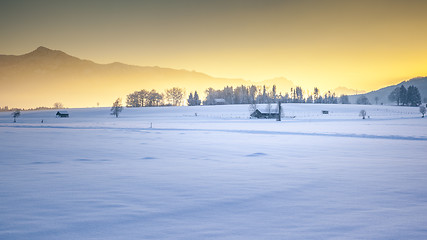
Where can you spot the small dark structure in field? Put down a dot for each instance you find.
(325, 112)
(62, 114)
(219, 101)
(258, 114)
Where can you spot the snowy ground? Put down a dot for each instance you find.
(217, 175)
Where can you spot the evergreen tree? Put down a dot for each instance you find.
(403, 98)
(299, 95)
(117, 107)
(413, 96)
(264, 95)
(252, 93)
(394, 96)
(190, 100)
(196, 99)
(273, 93)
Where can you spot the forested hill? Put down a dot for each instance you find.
(383, 93)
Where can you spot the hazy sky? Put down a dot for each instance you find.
(358, 44)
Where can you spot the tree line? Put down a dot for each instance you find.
(261, 94)
(145, 98)
(403, 96)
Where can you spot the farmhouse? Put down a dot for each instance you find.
(62, 114)
(258, 114)
(219, 101)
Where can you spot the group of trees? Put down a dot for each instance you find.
(4, 109)
(193, 100)
(363, 100)
(144, 98)
(257, 94)
(175, 96)
(403, 96)
(238, 95)
(56, 105)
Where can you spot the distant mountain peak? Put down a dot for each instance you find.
(41, 48)
(44, 51)
(347, 91)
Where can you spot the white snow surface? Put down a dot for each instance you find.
(165, 173)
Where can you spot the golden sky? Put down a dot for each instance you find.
(358, 44)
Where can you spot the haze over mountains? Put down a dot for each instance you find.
(45, 76)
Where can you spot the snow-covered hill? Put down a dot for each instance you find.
(383, 93)
(210, 172)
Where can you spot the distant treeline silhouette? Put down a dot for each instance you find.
(261, 94)
(258, 95)
(231, 95)
(144, 98)
(56, 105)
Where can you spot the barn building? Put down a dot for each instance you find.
(62, 114)
(258, 114)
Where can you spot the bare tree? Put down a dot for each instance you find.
(269, 107)
(117, 107)
(422, 110)
(58, 105)
(154, 98)
(174, 95)
(316, 95)
(16, 114)
(376, 100)
(362, 114)
(252, 107)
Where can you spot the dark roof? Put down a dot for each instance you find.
(258, 114)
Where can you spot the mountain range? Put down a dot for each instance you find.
(44, 76)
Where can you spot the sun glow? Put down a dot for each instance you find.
(362, 45)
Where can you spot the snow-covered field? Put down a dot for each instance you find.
(165, 173)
